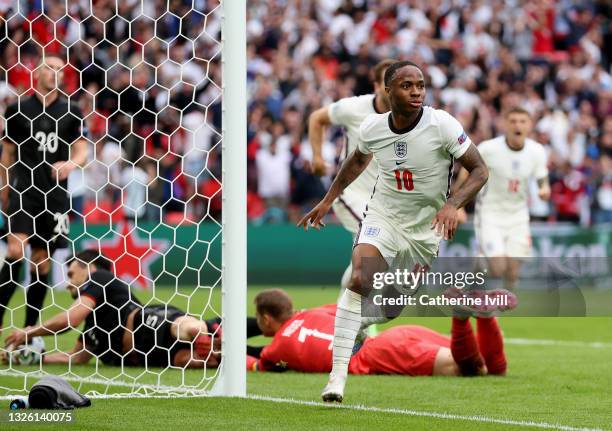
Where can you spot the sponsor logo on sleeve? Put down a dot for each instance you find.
(461, 139)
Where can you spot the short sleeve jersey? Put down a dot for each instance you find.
(414, 165)
(43, 136)
(303, 343)
(505, 196)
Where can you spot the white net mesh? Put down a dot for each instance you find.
(138, 85)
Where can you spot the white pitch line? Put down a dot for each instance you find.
(436, 415)
(361, 408)
(560, 343)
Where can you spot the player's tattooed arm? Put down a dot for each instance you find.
(446, 220)
(543, 188)
(478, 174)
(317, 122)
(352, 167)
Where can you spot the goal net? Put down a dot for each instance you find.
(129, 94)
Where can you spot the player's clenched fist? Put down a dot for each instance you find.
(445, 222)
(319, 168)
(314, 217)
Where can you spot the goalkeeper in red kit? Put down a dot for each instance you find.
(303, 342)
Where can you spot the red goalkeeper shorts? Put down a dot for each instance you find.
(406, 350)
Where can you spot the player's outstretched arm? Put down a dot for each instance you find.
(446, 220)
(317, 122)
(78, 355)
(352, 167)
(71, 318)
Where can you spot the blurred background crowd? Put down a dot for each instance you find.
(146, 76)
(479, 57)
(150, 90)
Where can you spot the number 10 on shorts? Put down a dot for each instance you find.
(403, 179)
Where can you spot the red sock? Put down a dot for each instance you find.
(491, 345)
(465, 349)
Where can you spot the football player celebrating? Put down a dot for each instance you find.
(44, 142)
(303, 342)
(410, 209)
(119, 330)
(502, 215)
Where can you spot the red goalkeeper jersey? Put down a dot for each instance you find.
(304, 343)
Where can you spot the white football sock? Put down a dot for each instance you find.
(345, 282)
(347, 324)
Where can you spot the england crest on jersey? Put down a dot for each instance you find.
(401, 149)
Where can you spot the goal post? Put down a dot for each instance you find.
(232, 377)
(162, 194)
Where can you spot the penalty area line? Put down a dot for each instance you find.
(436, 415)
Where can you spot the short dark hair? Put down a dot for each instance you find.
(394, 67)
(380, 68)
(274, 302)
(90, 255)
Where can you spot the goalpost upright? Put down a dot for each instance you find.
(232, 377)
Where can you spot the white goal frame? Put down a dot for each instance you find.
(231, 380)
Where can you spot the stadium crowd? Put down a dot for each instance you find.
(150, 90)
(551, 57)
(147, 80)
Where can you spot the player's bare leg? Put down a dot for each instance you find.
(11, 269)
(348, 317)
(39, 276)
(513, 270)
(497, 266)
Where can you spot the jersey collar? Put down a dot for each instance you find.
(406, 129)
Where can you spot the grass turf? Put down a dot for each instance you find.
(558, 384)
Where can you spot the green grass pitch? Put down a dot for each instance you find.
(564, 381)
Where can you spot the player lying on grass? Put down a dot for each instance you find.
(303, 342)
(118, 328)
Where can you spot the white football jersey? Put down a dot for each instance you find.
(350, 113)
(504, 197)
(414, 166)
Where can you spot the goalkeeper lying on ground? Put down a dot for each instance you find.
(303, 342)
(118, 328)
